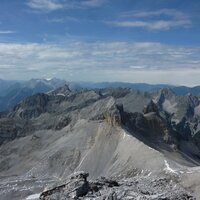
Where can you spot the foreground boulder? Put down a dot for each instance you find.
(77, 186)
(138, 187)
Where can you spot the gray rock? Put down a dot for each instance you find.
(139, 187)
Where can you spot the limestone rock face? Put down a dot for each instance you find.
(114, 116)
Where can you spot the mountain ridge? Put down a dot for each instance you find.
(12, 92)
(106, 132)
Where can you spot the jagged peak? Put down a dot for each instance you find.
(31, 107)
(163, 94)
(113, 115)
(63, 90)
(39, 98)
(150, 107)
(193, 100)
(167, 92)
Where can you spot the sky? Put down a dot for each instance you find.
(151, 41)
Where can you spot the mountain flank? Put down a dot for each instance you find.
(122, 134)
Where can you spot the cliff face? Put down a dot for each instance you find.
(151, 124)
(114, 115)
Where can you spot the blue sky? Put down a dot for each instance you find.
(154, 41)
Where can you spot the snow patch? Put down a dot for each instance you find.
(169, 169)
(60, 94)
(125, 134)
(149, 174)
(33, 197)
(48, 79)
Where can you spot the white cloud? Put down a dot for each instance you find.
(7, 32)
(163, 19)
(166, 12)
(99, 61)
(64, 19)
(45, 5)
(52, 5)
(137, 67)
(153, 25)
(93, 3)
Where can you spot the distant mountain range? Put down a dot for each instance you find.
(144, 87)
(12, 92)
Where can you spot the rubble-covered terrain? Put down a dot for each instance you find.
(138, 187)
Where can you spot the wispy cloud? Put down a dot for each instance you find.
(162, 12)
(64, 19)
(7, 32)
(45, 5)
(123, 61)
(93, 3)
(163, 19)
(153, 25)
(52, 5)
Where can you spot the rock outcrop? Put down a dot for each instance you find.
(114, 115)
(77, 186)
(138, 187)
